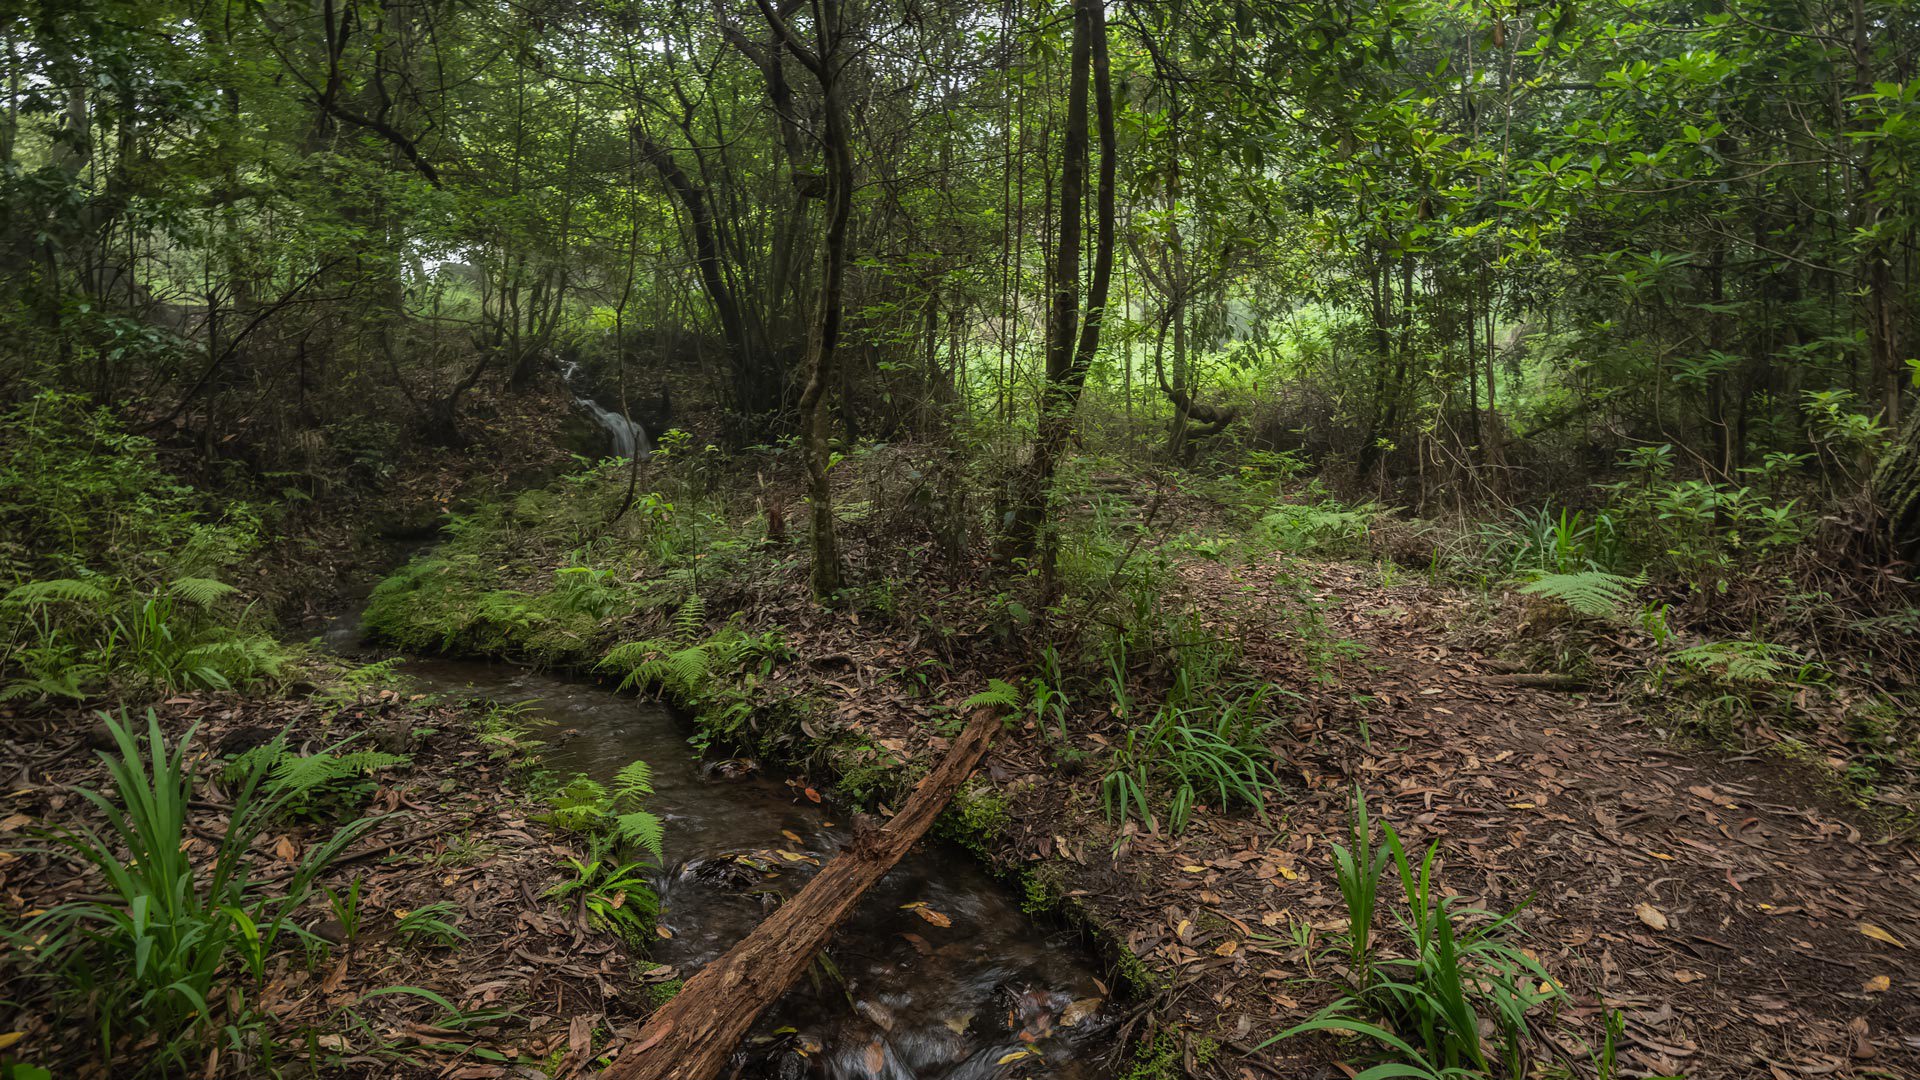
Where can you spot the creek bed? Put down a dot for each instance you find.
(937, 976)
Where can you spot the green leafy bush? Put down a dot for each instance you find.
(172, 952)
(110, 567)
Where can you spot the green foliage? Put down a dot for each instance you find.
(1357, 868)
(1456, 1005)
(171, 953)
(616, 896)
(1594, 593)
(586, 806)
(999, 694)
(430, 924)
(1198, 745)
(1326, 527)
(1735, 661)
(109, 566)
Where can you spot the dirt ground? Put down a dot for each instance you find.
(1746, 923)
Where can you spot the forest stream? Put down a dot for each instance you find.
(938, 974)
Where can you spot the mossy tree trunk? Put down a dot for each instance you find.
(1896, 490)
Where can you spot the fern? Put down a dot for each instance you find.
(644, 829)
(297, 777)
(581, 806)
(682, 672)
(1736, 661)
(585, 805)
(999, 694)
(1591, 592)
(690, 620)
(57, 591)
(633, 781)
(200, 591)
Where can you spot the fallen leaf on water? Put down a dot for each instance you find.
(932, 916)
(813, 795)
(1008, 1059)
(1879, 984)
(1878, 934)
(791, 835)
(1079, 1011)
(876, 1058)
(1651, 916)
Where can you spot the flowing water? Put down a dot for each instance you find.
(626, 434)
(937, 976)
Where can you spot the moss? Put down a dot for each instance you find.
(1163, 1057)
(660, 993)
(1133, 974)
(1043, 889)
(976, 819)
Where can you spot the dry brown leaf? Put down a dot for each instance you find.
(1879, 984)
(933, 916)
(1651, 915)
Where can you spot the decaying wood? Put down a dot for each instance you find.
(1538, 681)
(692, 1036)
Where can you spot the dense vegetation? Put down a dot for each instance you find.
(991, 333)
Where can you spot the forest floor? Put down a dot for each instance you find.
(527, 979)
(1742, 915)
(1744, 923)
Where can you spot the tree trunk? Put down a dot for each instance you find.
(825, 61)
(692, 1036)
(1067, 359)
(1896, 491)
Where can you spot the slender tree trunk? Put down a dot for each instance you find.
(825, 61)
(1068, 359)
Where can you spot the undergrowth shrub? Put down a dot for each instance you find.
(1453, 1001)
(174, 955)
(110, 568)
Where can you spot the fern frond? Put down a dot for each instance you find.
(1590, 592)
(690, 620)
(1737, 661)
(297, 776)
(999, 693)
(633, 781)
(57, 591)
(200, 591)
(630, 655)
(644, 829)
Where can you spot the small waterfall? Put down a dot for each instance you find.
(629, 435)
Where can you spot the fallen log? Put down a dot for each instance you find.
(693, 1034)
(1571, 684)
